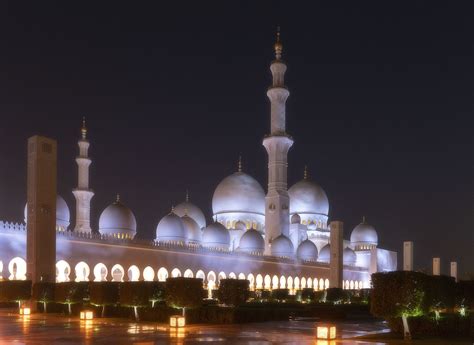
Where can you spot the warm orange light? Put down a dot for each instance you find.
(177, 321)
(86, 315)
(326, 332)
(25, 311)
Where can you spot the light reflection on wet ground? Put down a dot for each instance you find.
(39, 329)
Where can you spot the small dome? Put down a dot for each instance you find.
(307, 251)
(63, 216)
(295, 219)
(364, 234)
(281, 246)
(215, 235)
(307, 197)
(117, 219)
(239, 192)
(251, 242)
(171, 229)
(325, 253)
(188, 208)
(240, 226)
(192, 229)
(349, 257)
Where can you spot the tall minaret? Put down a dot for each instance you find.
(82, 193)
(277, 144)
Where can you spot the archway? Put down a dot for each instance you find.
(162, 274)
(289, 283)
(148, 274)
(251, 280)
(315, 284)
(326, 284)
(221, 276)
(82, 272)
(188, 274)
(200, 274)
(63, 270)
(297, 283)
(321, 284)
(232, 275)
(100, 272)
(133, 273)
(351, 285)
(309, 283)
(17, 269)
(175, 273)
(275, 282)
(282, 282)
(303, 283)
(267, 281)
(241, 276)
(259, 281)
(118, 273)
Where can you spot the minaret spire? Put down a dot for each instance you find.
(239, 164)
(305, 174)
(277, 144)
(83, 193)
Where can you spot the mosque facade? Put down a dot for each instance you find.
(276, 239)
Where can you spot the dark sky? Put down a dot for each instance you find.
(380, 106)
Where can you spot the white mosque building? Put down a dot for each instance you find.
(276, 239)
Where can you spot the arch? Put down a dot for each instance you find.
(315, 283)
(175, 273)
(82, 272)
(289, 283)
(346, 285)
(282, 282)
(148, 274)
(200, 274)
(17, 269)
(303, 283)
(1, 269)
(297, 283)
(221, 276)
(232, 275)
(251, 280)
(275, 282)
(321, 284)
(267, 282)
(309, 283)
(259, 281)
(326, 283)
(211, 277)
(188, 273)
(360, 284)
(63, 270)
(241, 276)
(133, 273)
(162, 274)
(118, 273)
(351, 285)
(100, 272)
(356, 285)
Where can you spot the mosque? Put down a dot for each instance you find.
(280, 238)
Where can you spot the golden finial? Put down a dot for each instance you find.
(117, 198)
(239, 164)
(363, 219)
(305, 173)
(172, 208)
(84, 128)
(278, 46)
(187, 195)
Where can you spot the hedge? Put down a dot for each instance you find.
(104, 294)
(184, 292)
(71, 293)
(15, 291)
(233, 292)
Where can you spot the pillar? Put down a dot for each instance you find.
(336, 259)
(454, 270)
(436, 266)
(408, 256)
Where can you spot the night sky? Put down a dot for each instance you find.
(380, 107)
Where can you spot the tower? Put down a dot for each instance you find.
(277, 144)
(408, 256)
(82, 193)
(336, 259)
(41, 203)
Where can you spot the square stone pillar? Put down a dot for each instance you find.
(41, 203)
(454, 270)
(436, 266)
(336, 259)
(408, 256)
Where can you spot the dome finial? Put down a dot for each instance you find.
(187, 195)
(117, 198)
(363, 219)
(172, 208)
(305, 174)
(239, 164)
(278, 46)
(84, 128)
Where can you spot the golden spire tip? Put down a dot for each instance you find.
(84, 128)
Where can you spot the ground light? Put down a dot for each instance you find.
(25, 311)
(86, 315)
(177, 321)
(326, 332)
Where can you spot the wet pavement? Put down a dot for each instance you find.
(55, 329)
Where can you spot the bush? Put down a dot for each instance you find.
(135, 295)
(15, 291)
(71, 293)
(43, 292)
(307, 295)
(440, 293)
(465, 294)
(280, 295)
(262, 295)
(336, 295)
(184, 292)
(103, 294)
(157, 293)
(233, 292)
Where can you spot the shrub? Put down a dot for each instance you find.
(157, 293)
(233, 292)
(71, 293)
(15, 291)
(280, 295)
(184, 292)
(335, 295)
(307, 295)
(103, 294)
(43, 292)
(465, 294)
(440, 293)
(135, 295)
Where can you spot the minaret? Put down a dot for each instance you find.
(277, 144)
(82, 193)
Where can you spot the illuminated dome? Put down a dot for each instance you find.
(325, 253)
(239, 197)
(215, 235)
(192, 229)
(117, 219)
(307, 251)
(63, 215)
(349, 257)
(171, 229)
(240, 226)
(309, 201)
(252, 242)
(295, 219)
(364, 234)
(281, 246)
(188, 208)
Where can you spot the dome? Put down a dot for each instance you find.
(349, 257)
(188, 208)
(240, 226)
(63, 215)
(307, 197)
(192, 229)
(281, 246)
(325, 253)
(239, 192)
(251, 242)
(364, 234)
(171, 228)
(307, 251)
(295, 219)
(117, 219)
(215, 235)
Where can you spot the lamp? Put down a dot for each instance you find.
(177, 321)
(326, 331)
(86, 315)
(25, 311)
